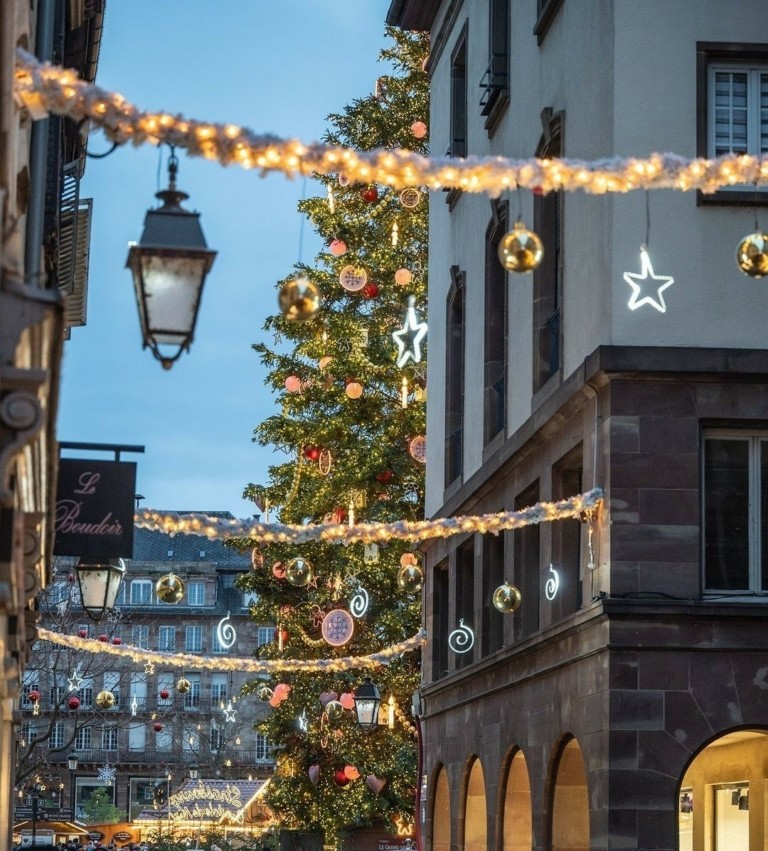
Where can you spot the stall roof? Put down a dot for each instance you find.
(207, 801)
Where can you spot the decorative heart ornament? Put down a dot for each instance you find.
(327, 696)
(314, 773)
(376, 783)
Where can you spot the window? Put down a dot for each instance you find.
(141, 592)
(526, 553)
(219, 683)
(458, 144)
(86, 693)
(83, 739)
(27, 733)
(248, 598)
(140, 637)
(166, 638)
(120, 599)
(164, 739)
(191, 743)
(495, 82)
(196, 593)
(216, 645)
(440, 628)
(192, 697)
(193, 639)
(565, 584)
(465, 595)
(495, 399)
(493, 575)
(454, 378)
(56, 738)
(30, 682)
(58, 690)
(263, 749)
(548, 277)
(265, 635)
(736, 512)
(112, 683)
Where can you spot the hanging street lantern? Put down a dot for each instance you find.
(99, 586)
(169, 266)
(367, 700)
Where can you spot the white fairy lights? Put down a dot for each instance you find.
(44, 88)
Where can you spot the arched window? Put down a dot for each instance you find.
(475, 815)
(495, 397)
(440, 821)
(517, 823)
(570, 801)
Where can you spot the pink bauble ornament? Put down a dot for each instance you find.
(314, 773)
(278, 570)
(403, 277)
(351, 772)
(347, 700)
(338, 247)
(282, 690)
(274, 701)
(293, 384)
(354, 388)
(419, 129)
(104, 637)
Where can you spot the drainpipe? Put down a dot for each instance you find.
(38, 156)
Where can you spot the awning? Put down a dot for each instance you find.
(68, 827)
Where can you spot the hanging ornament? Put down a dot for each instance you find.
(73, 702)
(358, 605)
(105, 699)
(410, 578)
(312, 453)
(385, 477)
(520, 250)
(299, 299)
(302, 722)
(117, 640)
(408, 338)
(338, 627)
(278, 570)
(507, 598)
(353, 389)
(293, 384)
(552, 584)
(314, 773)
(371, 553)
(264, 693)
(395, 238)
(347, 700)
(157, 727)
(351, 772)
(298, 572)
(34, 698)
(419, 129)
(104, 638)
(340, 778)
(343, 179)
(334, 710)
(752, 255)
(376, 783)
(134, 706)
(164, 694)
(370, 290)
(324, 362)
(225, 633)
(462, 639)
(370, 194)
(324, 462)
(169, 588)
(403, 277)
(183, 685)
(230, 712)
(331, 202)
(410, 198)
(327, 696)
(638, 282)
(257, 558)
(75, 682)
(353, 278)
(417, 448)
(281, 636)
(338, 247)
(282, 691)
(83, 633)
(107, 774)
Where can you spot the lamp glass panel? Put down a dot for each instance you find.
(172, 286)
(366, 708)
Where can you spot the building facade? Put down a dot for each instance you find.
(625, 703)
(138, 728)
(44, 246)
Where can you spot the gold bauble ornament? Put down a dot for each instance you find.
(507, 598)
(410, 578)
(264, 693)
(298, 572)
(183, 685)
(299, 299)
(520, 250)
(169, 588)
(105, 699)
(334, 710)
(752, 255)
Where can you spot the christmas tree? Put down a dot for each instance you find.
(352, 429)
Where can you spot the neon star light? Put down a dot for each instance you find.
(229, 712)
(648, 281)
(75, 682)
(408, 338)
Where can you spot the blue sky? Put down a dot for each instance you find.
(278, 67)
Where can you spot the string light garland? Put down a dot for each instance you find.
(403, 530)
(43, 88)
(190, 661)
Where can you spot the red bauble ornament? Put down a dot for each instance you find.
(370, 290)
(340, 778)
(157, 727)
(537, 190)
(83, 633)
(370, 194)
(164, 694)
(71, 577)
(104, 637)
(117, 640)
(384, 476)
(34, 695)
(312, 453)
(73, 702)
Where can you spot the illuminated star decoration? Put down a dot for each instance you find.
(661, 282)
(134, 706)
(303, 721)
(409, 337)
(229, 711)
(149, 668)
(75, 681)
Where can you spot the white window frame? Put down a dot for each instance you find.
(754, 439)
(140, 636)
(263, 749)
(145, 597)
(83, 739)
(264, 635)
(56, 738)
(753, 70)
(109, 738)
(166, 638)
(190, 646)
(196, 593)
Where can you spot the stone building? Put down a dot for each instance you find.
(625, 704)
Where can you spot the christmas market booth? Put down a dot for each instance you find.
(231, 806)
(47, 832)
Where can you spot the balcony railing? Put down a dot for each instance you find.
(237, 757)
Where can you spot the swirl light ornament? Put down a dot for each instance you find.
(462, 639)
(226, 634)
(358, 604)
(552, 584)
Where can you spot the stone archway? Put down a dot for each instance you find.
(570, 800)
(440, 818)
(516, 824)
(475, 815)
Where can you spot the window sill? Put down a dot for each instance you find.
(733, 198)
(547, 14)
(494, 444)
(497, 111)
(452, 198)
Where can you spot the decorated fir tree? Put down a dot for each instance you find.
(352, 429)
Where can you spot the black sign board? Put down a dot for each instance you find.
(94, 509)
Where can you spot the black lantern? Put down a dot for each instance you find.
(72, 766)
(367, 700)
(194, 772)
(169, 266)
(99, 586)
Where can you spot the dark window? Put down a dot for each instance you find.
(458, 146)
(493, 576)
(454, 378)
(494, 84)
(465, 597)
(565, 575)
(732, 110)
(527, 563)
(547, 278)
(736, 512)
(440, 621)
(546, 11)
(495, 326)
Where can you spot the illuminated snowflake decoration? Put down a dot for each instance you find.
(62, 607)
(107, 774)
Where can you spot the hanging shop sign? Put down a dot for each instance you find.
(94, 508)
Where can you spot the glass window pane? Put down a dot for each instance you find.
(764, 515)
(726, 514)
